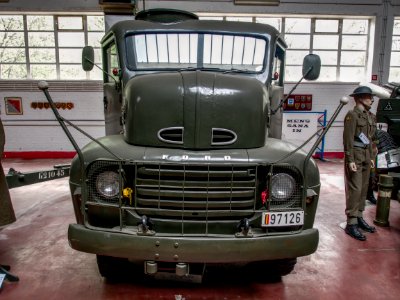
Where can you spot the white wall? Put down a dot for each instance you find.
(37, 130)
(32, 131)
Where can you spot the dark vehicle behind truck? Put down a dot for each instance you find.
(192, 169)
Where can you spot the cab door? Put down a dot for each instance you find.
(112, 89)
(276, 95)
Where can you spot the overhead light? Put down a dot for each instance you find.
(257, 2)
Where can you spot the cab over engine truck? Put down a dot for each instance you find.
(192, 170)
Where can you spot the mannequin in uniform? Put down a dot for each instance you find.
(358, 135)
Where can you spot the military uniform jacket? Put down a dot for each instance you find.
(358, 121)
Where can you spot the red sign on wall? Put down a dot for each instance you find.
(298, 103)
(13, 105)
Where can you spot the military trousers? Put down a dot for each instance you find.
(356, 185)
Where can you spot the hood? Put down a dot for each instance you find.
(195, 110)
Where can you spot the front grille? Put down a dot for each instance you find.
(196, 191)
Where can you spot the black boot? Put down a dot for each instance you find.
(352, 230)
(370, 195)
(371, 198)
(364, 225)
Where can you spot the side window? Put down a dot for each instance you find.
(278, 70)
(111, 62)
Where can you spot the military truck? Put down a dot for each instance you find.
(192, 170)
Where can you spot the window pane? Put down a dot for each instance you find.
(293, 73)
(97, 55)
(297, 41)
(326, 42)
(326, 25)
(42, 55)
(96, 74)
(327, 57)
(354, 42)
(13, 71)
(43, 72)
(70, 23)
(294, 25)
(95, 23)
(396, 26)
(274, 22)
(352, 74)
(70, 55)
(294, 57)
(355, 26)
(240, 19)
(238, 47)
(352, 58)
(71, 39)
(394, 74)
(394, 59)
(40, 22)
(41, 39)
(396, 43)
(12, 55)
(11, 23)
(12, 39)
(94, 38)
(327, 74)
(72, 72)
(184, 48)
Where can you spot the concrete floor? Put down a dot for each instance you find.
(37, 249)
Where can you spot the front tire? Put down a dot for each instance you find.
(274, 268)
(112, 268)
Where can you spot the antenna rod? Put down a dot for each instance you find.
(44, 86)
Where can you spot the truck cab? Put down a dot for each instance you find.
(192, 169)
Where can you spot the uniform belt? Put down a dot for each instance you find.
(358, 144)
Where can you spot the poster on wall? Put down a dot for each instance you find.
(299, 127)
(13, 105)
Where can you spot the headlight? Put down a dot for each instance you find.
(107, 184)
(282, 186)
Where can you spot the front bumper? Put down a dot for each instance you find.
(192, 249)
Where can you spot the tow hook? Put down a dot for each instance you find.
(145, 226)
(244, 228)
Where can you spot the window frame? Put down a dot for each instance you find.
(281, 19)
(29, 65)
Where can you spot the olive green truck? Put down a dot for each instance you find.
(192, 170)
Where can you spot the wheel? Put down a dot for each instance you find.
(113, 268)
(274, 268)
(285, 266)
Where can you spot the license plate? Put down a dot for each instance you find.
(287, 218)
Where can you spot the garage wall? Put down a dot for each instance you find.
(35, 131)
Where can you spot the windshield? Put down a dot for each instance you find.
(225, 52)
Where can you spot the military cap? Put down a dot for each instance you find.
(361, 90)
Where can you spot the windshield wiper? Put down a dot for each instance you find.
(224, 71)
(233, 70)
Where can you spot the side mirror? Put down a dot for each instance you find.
(87, 58)
(311, 66)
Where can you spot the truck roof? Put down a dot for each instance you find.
(123, 28)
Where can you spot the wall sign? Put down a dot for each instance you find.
(298, 103)
(299, 127)
(13, 105)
